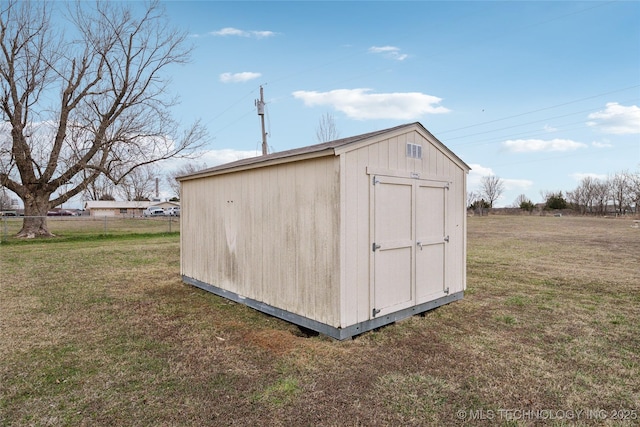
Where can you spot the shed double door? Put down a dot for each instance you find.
(409, 242)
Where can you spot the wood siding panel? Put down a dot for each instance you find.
(270, 234)
(356, 240)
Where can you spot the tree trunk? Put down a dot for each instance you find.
(34, 225)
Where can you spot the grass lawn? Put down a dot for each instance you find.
(88, 227)
(103, 332)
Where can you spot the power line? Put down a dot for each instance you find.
(546, 119)
(539, 109)
(231, 106)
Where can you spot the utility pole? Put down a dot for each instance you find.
(260, 105)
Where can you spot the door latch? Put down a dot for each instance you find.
(446, 239)
(374, 247)
(374, 312)
(419, 244)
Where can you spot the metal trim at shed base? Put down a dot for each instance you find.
(337, 333)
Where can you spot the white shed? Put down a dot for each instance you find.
(340, 237)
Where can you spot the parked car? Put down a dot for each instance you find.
(173, 211)
(153, 212)
(59, 212)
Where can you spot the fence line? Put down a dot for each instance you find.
(68, 226)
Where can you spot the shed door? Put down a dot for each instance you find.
(393, 247)
(431, 240)
(409, 242)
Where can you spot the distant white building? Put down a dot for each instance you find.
(123, 208)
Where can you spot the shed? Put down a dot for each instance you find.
(340, 237)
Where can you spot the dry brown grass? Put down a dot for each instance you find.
(104, 333)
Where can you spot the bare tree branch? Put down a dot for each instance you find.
(326, 130)
(113, 112)
(492, 188)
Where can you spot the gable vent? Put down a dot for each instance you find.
(414, 150)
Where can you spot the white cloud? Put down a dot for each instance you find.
(517, 184)
(230, 31)
(617, 119)
(475, 175)
(360, 104)
(389, 52)
(218, 157)
(602, 144)
(579, 176)
(383, 49)
(210, 158)
(536, 145)
(262, 34)
(478, 172)
(238, 77)
(477, 169)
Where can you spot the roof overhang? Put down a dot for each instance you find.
(331, 148)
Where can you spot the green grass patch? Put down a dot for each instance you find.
(518, 300)
(506, 319)
(281, 392)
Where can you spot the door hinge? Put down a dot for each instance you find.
(375, 180)
(374, 312)
(446, 238)
(447, 186)
(374, 247)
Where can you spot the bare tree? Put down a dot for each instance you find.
(601, 195)
(589, 187)
(98, 188)
(140, 184)
(472, 198)
(5, 200)
(326, 130)
(186, 169)
(492, 188)
(634, 191)
(111, 115)
(582, 198)
(520, 200)
(619, 187)
(524, 203)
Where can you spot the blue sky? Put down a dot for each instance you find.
(539, 93)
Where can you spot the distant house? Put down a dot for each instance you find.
(123, 208)
(116, 208)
